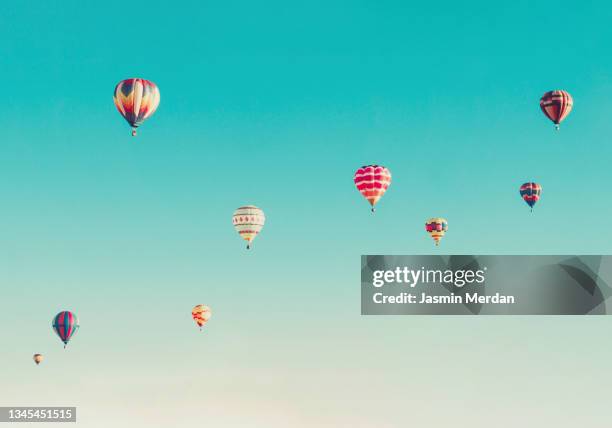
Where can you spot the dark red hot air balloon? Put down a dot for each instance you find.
(556, 105)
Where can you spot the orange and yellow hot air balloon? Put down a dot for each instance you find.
(136, 100)
(201, 314)
(436, 227)
(372, 181)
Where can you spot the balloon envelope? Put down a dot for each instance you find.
(530, 192)
(65, 325)
(248, 222)
(372, 181)
(201, 314)
(136, 100)
(436, 227)
(556, 105)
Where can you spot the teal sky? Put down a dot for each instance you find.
(276, 104)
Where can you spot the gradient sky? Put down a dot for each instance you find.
(276, 104)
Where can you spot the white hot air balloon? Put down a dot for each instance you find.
(248, 222)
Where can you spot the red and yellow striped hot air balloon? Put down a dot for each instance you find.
(436, 227)
(556, 105)
(248, 222)
(136, 100)
(201, 314)
(372, 181)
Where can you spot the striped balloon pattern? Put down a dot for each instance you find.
(372, 181)
(530, 192)
(136, 100)
(201, 314)
(65, 325)
(248, 222)
(436, 227)
(556, 105)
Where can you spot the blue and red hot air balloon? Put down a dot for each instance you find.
(530, 192)
(65, 325)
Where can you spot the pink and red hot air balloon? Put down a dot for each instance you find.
(136, 100)
(556, 105)
(65, 325)
(372, 181)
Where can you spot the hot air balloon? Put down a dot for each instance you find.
(372, 181)
(556, 105)
(436, 227)
(248, 222)
(201, 314)
(65, 325)
(38, 358)
(136, 100)
(530, 192)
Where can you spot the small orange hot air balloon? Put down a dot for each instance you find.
(201, 314)
(38, 358)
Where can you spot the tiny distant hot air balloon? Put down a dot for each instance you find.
(248, 222)
(556, 105)
(436, 227)
(38, 358)
(372, 181)
(136, 100)
(201, 314)
(65, 325)
(530, 192)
